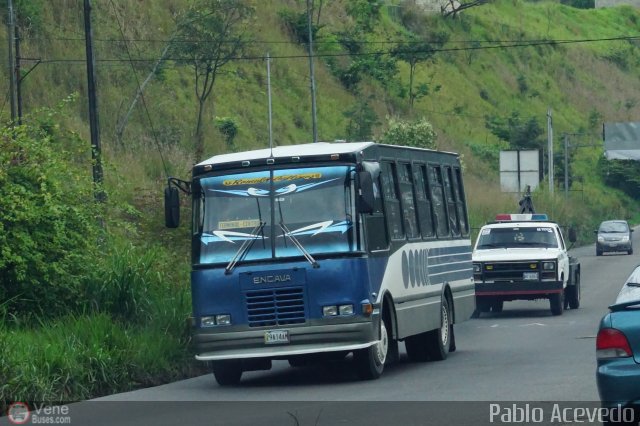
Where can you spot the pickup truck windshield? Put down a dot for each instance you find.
(517, 237)
(314, 204)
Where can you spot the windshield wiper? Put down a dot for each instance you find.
(491, 246)
(244, 248)
(296, 243)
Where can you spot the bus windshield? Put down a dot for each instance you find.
(314, 205)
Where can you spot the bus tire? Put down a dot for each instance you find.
(439, 340)
(416, 347)
(370, 361)
(227, 372)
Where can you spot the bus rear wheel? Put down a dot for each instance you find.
(227, 372)
(370, 361)
(433, 345)
(439, 340)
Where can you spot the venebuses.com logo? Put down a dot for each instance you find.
(19, 413)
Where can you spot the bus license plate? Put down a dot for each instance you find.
(530, 276)
(276, 336)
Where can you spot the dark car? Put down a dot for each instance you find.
(618, 352)
(613, 236)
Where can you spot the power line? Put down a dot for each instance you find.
(333, 42)
(377, 53)
(144, 102)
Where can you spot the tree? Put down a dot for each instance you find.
(210, 34)
(228, 128)
(520, 133)
(415, 51)
(418, 133)
(452, 7)
(362, 119)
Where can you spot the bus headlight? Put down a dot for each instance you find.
(207, 321)
(213, 320)
(223, 319)
(335, 310)
(329, 311)
(345, 309)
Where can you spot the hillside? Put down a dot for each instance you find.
(485, 79)
(485, 69)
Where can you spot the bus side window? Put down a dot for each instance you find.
(452, 210)
(391, 201)
(437, 197)
(460, 202)
(408, 203)
(423, 204)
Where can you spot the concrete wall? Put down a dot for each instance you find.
(611, 3)
(435, 6)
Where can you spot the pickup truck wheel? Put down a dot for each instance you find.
(574, 298)
(556, 303)
(483, 303)
(227, 372)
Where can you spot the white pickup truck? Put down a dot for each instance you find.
(524, 257)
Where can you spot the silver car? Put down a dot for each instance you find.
(614, 236)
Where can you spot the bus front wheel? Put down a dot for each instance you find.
(370, 361)
(227, 372)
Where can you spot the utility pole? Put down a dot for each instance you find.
(18, 76)
(269, 99)
(96, 151)
(550, 149)
(566, 166)
(313, 80)
(11, 31)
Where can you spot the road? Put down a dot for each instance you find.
(522, 355)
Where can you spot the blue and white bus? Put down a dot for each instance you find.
(320, 250)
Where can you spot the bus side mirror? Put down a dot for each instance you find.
(365, 192)
(171, 207)
(573, 235)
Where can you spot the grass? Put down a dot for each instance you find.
(84, 356)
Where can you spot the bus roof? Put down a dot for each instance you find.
(288, 151)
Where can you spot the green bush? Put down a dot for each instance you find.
(49, 224)
(417, 133)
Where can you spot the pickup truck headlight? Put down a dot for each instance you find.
(477, 267)
(625, 238)
(600, 239)
(548, 266)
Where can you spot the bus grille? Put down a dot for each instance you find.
(279, 306)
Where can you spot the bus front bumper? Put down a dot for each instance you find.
(213, 345)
